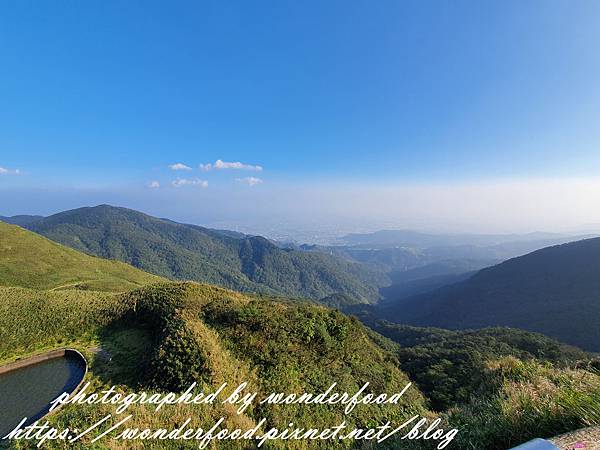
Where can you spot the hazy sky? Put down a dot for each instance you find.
(443, 115)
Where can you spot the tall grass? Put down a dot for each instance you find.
(532, 400)
(31, 320)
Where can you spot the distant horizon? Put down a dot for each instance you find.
(329, 233)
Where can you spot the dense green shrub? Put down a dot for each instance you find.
(177, 359)
(450, 366)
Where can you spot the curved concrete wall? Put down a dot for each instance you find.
(43, 357)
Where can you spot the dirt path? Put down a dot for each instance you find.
(65, 286)
(587, 439)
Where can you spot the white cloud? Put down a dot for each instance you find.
(222, 165)
(189, 182)
(179, 166)
(154, 185)
(5, 171)
(250, 181)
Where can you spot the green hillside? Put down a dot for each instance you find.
(500, 386)
(188, 252)
(30, 260)
(554, 291)
(449, 366)
(169, 335)
(503, 386)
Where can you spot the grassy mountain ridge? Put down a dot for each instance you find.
(179, 332)
(554, 291)
(30, 260)
(168, 335)
(189, 252)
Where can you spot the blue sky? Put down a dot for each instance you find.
(99, 98)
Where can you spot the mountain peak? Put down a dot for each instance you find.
(189, 252)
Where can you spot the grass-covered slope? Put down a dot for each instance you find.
(188, 252)
(530, 400)
(32, 320)
(288, 345)
(30, 260)
(166, 336)
(515, 385)
(554, 291)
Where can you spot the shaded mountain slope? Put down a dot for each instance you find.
(554, 291)
(189, 252)
(21, 220)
